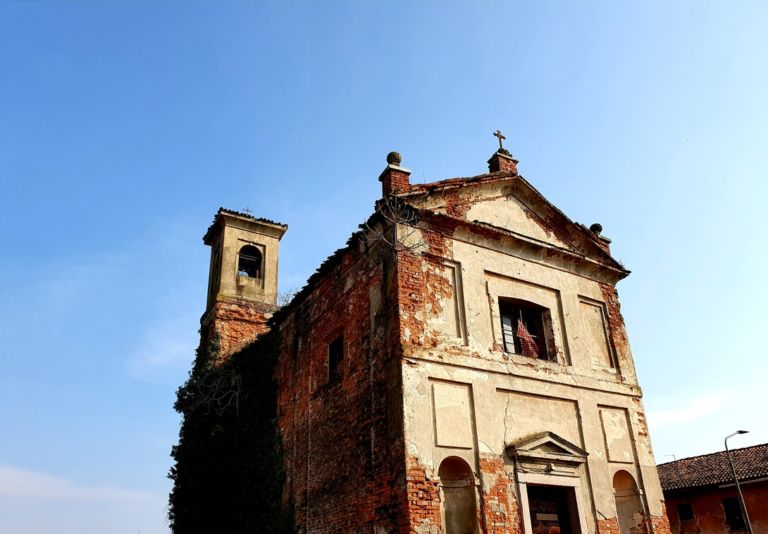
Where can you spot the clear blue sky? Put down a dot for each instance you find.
(125, 125)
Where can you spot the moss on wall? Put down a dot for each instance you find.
(228, 475)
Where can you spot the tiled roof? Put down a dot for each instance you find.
(713, 469)
(249, 216)
(239, 214)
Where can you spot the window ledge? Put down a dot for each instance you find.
(527, 359)
(246, 277)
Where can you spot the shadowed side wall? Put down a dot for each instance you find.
(342, 429)
(228, 475)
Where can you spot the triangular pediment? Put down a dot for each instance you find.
(512, 214)
(547, 445)
(508, 203)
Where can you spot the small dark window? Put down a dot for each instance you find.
(335, 359)
(685, 511)
(733, 515)
(249, 263)
(522, 327)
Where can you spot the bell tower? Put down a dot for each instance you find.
(242, 280)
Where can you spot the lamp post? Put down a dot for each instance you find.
(736, 479)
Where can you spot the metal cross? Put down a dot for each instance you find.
(498, 134)
(247, 211)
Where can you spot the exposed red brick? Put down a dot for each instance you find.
(608, 526)
(660, 524)
(616, 329)
(342, 440)
(423, 500)
(235, 324)
(395, 180)
(502, 161)
(501, 515)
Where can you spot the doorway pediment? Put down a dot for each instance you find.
(546, 452)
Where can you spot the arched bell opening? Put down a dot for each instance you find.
(249, 263)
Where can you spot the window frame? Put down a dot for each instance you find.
(259, 261)
(535, 317)
(731, 520)
(336, 353)
(690, 516)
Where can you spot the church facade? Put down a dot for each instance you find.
(460, 366)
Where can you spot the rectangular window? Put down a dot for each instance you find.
(335, 359)
(733, 515)
(685, 511)
(523, 328)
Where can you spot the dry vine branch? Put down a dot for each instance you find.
(217, 391)
(396, 213)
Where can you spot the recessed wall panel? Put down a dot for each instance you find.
(618, 442)
(453, 414)
(526, 414)
(593, 336)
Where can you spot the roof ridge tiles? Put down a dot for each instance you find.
(249, 216)
(750, 462)
(759, 445)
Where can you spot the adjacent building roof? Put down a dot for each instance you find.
(713, 469)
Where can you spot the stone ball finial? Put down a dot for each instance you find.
(393, 158)
(597, 228)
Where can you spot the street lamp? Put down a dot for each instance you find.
(736, 479)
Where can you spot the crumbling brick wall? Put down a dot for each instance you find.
(424, 514)
(608, 526)
(235, 324)
(422, 290)
(343, 444)
(499, 504)
(660, 524)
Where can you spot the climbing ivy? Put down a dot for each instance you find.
(228, 475)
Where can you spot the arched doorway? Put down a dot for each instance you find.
(458, 488)
(629, 507)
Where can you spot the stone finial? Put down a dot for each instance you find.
(604, 242)
(395, 179)
(394, 158)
